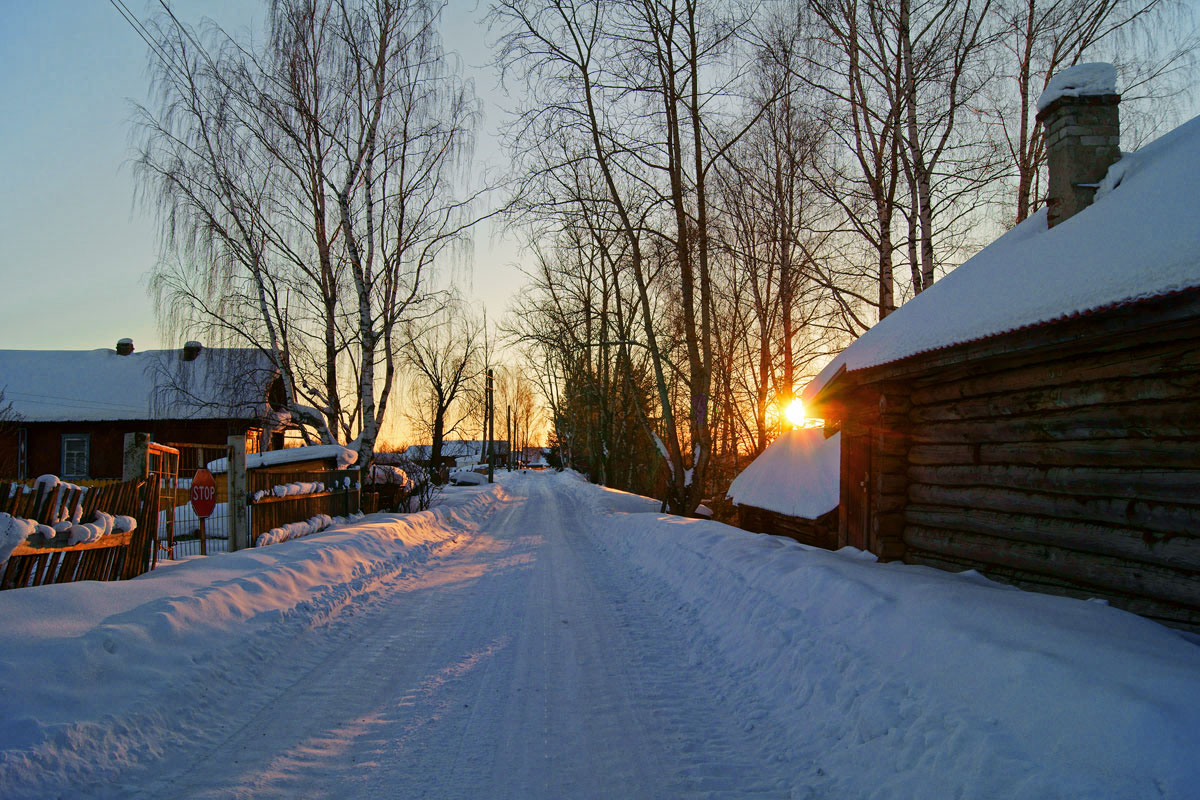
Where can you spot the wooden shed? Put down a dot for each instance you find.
(1034, 415)
(791, 488)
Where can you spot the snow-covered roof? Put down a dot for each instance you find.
(92, 385)
(797, 475)
(1081, 80)
(1140, 239)
(456, 448)
(344, 455)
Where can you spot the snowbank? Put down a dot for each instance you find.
(903, 681)
(797, 475)
(110, 673)
(1138, 240)
(344, 455)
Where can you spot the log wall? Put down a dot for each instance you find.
(819, 532)
(1075, 471)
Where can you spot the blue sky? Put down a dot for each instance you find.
(75, 248)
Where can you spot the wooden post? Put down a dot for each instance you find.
(490, 422)
(135, 464)
(239, 512)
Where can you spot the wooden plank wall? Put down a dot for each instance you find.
(273, 512)
(819, 532)
(1076, 474)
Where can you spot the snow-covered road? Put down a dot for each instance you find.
(527, 663)
(545, 638)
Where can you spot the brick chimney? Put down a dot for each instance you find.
(124, 347)
(191, 350)
(1083, 135)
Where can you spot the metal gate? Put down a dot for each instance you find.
(180, 531)
(162, 463)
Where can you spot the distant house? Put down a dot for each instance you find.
(792, 488)
(534, 457)
(1034, 415)
(459, 453)
(74, 407)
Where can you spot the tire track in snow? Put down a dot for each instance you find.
(528, 663)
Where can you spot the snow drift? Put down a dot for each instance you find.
(111, 673)
(902, 681)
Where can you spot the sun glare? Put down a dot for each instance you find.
(795, 413)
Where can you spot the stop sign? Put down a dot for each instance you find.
(204, 493)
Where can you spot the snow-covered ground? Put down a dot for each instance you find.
(545, 638)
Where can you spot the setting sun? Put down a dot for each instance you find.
(795, 413)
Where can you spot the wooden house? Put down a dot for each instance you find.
(1034, 415)
(791, 488)
(459, 453)
(73, 408)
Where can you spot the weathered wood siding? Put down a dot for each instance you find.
(819, 532)
(873, 481)
(107, 442)
(1075, 471)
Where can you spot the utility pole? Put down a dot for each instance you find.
(508, 430)
(491, 425)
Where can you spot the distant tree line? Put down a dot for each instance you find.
(720, 195)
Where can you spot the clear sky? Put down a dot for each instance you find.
(75, 248)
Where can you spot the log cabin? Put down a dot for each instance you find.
(70, 409)
(1034, 414)
(791, 488)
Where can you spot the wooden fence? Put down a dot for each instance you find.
(113, 557)
(341, 497)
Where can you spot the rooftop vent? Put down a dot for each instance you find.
(1083, 135)
(124, 346)
(191, 350)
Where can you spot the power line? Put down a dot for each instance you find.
(146, 36)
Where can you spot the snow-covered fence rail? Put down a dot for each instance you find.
(279, 501)
(66, 545)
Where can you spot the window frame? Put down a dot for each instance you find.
(86, 440)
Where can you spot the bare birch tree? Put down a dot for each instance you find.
(1152, 42)
(638, 85)
(307, 188)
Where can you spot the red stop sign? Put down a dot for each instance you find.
(204, 493)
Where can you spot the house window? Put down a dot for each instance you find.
(75, 456)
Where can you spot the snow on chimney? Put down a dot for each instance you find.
(1083, 135)
(191, 350)
(124, 346)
